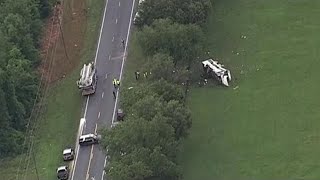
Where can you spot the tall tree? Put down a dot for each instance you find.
(179, 117)
(148, 147)
(20, 27)
(180, 11)
(167, 91)
(182, 42)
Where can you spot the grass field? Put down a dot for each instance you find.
(59, 123)
(266, 126)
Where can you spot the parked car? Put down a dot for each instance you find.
(68, 154)
(63, 172)
(89, 139)
(120, 115)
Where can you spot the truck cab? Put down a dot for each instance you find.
(88, 79)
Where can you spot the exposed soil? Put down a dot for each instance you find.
(61, 45)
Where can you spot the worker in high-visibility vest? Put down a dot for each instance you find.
(114, 82)
(118, 83)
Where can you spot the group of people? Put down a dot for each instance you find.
(137, 74)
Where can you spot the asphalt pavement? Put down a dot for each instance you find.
(100, 107)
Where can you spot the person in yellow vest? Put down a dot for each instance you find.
(118, 83)
(114, 82)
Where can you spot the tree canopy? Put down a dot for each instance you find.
(182, 42)
(180, 11)
(20, 29)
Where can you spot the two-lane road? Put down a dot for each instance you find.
(100, 107)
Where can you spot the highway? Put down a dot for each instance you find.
(100, 108)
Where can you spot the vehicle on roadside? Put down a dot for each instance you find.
(88, 79)
(63, 172)
(120, 117)
(88, 139)
(68, 154)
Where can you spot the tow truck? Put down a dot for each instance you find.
(88, 79)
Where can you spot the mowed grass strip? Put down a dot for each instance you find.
(266, 126)
(134, 62)
(58, 126)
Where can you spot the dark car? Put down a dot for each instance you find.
(120, 115)
(63, 173)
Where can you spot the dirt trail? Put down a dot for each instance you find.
(61, 48)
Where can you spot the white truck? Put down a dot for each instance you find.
(88, 79)
(215, 69)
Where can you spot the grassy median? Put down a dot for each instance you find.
(266, 125)
(58, 125)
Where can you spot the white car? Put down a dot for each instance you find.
(89, 139)
(68, 154)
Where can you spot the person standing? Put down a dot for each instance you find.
(137, 74)
(122, 41)
(114, 82)
(114, 94)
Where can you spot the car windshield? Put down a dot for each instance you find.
(89, 139)
(61, 172)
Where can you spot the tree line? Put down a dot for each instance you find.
(147, 143)
(20, 29)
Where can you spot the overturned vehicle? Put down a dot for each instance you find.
(214, 69)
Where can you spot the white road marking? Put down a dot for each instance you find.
(117, 21)
(106, 76)
(86, 108)
(105, 162)
(119, 3)
(99, 115)
(109, 57)
(112, 38)
(122, 64)
(91, 155)
(77, 146)
(102, 95)
(95, 60)
(103, 173)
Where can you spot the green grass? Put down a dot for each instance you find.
(133, 62)
(59, 123)
(268, 128)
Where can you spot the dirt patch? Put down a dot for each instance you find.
(63, 40)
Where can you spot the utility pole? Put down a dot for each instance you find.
(35, 164)
(64, 45)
